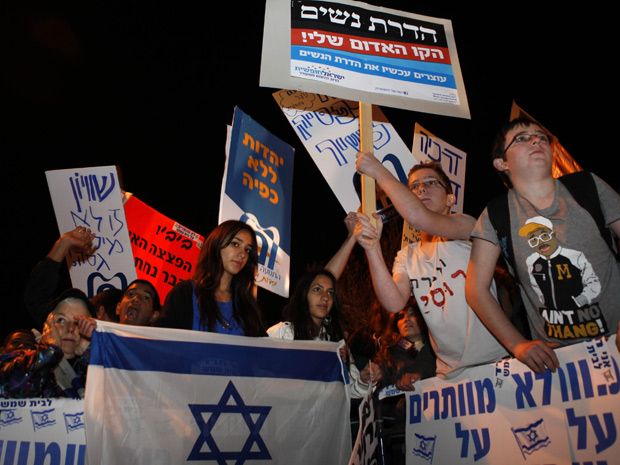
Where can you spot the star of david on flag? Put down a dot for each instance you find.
(206, 427)
(424, 446)
(162, 396)
(532, 437)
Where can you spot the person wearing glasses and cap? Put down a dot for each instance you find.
(542, 215)
(433, 269)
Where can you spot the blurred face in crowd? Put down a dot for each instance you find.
(60, 327)
(408, 325)
(320, 298)
(136, 306)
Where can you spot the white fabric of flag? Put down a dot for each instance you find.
(166, 396)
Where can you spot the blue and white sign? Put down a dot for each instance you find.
(258, 189)
(42, 431)
(329, 129)
(505, 413)
(91, 197)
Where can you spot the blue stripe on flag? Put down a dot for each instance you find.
(204, 358)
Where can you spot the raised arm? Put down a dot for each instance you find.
(45, 276)
(392, 292)
(410, 207)
(338, 262)
(535, 354)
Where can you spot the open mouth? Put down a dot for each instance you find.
(131, 313)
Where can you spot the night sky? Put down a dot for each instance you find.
(150, 87)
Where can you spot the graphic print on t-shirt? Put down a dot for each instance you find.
(565, 283)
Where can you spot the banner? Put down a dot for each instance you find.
(356, 51)
(166, 396)
(505, 413)
(165, 252)
(258, 190)
(329, 129)
(91, 197)
(563, 162)
(42, 431)
(367, 439)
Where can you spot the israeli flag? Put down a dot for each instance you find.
(531, 437)
(166, 396)
(42, 418)
(74, 421)
(9, 417)
(424, 446)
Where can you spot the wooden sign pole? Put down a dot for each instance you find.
(369, 198)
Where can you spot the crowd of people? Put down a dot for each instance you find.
(436, 313)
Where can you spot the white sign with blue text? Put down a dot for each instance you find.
(329, 129)
(505, 413)
(91, 197)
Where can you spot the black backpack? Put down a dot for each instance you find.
(580, 185)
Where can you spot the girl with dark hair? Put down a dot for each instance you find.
(219, 296)
(313, 312)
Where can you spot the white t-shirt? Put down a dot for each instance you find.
(457, 336)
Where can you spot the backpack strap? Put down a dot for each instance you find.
(582, 187)
(499, 216)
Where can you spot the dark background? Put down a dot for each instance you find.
(150, 87)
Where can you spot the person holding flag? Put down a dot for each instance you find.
(219, 296)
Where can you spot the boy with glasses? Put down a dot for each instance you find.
(433, 269)
(567, 299)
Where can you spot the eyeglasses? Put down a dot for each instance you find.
(525, 137)
(426, 184)
(535, 240)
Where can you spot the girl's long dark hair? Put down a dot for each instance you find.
(297, 310)
(209, 271)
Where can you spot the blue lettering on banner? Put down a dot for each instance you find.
(457, 403)
(44, 453)
(575, 382)
(605, 432)
(471, 398)
(481, 441)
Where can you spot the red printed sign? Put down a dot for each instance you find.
(164, 251)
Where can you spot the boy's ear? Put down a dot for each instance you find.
(500, 164)
(450, 200)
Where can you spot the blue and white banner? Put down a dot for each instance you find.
(42, 431)
(258, 189)
(505, 413)
(164, 396)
